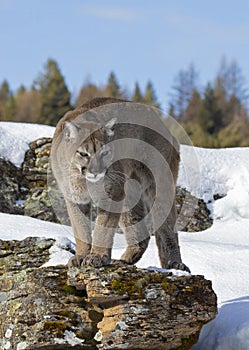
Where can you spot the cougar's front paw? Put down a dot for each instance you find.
(132, 255)
(96, 260)
(76, 261)
(179, 266)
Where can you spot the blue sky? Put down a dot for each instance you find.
(137, 39)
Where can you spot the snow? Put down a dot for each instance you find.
(218, 171)
(219, 253)
(70, 338)
(15, 139)
(20, 227)
(230, 328)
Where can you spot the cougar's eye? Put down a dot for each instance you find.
(104, 153)
(83, 154)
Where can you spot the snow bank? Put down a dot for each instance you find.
(19, 227)
(15, 139)
(217, 171)
(229, 330)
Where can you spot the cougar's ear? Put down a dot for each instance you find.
(70, 131)
(110, 127)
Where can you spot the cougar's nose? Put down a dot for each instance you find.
(94, 167)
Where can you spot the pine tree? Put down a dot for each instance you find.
(28, 105)
(210, 116)
(5, 95)
(10, 109)
(137, 95)
(113, 87)
(87, 92)
(220, 93)
(55, 96)
(150, 95)
(194, 106)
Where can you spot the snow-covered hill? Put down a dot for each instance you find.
(220, 253)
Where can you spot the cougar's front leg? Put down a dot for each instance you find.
(136, 233)
(80, 217)
(104, 231)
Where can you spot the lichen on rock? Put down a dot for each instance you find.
(115, 307)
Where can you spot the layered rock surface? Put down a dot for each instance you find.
(116, 307)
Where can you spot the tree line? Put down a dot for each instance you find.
(49, 98)
(215, 115)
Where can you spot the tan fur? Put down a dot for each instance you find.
(81, 150)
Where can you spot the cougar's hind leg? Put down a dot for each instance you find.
(167, 243)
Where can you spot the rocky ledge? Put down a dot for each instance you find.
(116, 307)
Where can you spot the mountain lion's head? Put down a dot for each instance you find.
(88, 148)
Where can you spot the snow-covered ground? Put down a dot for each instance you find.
(220, 253)
(15, 139)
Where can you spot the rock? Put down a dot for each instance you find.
(12, 188)
(36, 160)
(116, 307)
(147, 309)
(19, 255)
(193, 214)
(39, 202)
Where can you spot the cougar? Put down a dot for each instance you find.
(119, 155)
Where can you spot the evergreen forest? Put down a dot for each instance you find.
(213, 115)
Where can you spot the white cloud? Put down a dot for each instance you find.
(111, 13)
